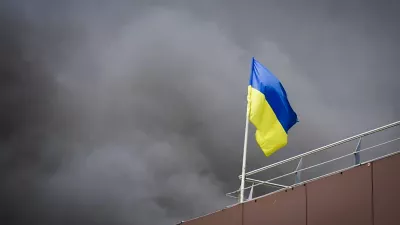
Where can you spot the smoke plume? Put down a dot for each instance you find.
(129, 112)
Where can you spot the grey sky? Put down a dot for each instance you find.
(130, 112)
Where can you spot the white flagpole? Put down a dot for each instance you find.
(241, 198)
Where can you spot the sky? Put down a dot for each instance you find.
(133, 112)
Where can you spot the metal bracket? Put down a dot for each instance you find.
(357, 160)
(297, 178)
(251, 192)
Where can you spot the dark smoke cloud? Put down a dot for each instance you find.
(133, 113)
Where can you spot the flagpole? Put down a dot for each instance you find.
(246, 131)
(244, 157)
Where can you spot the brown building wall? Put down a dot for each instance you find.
(386, 188)
(344, 198)
(268, 210)
(365, 195)
(231, 216)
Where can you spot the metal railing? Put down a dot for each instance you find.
(300, 157)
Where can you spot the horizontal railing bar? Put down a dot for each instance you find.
(323, 148)
(309, 180)
(381, 157)
(228, 195)
(319, 177)
(316, 178)
(310, 167)
(326, 175)
(244, 188)
(266, 183)
(384, 143)
(259, 182)
(347, 168)
(325, 162)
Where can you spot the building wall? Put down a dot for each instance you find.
(366, 195)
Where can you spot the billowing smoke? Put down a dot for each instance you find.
(133, 113)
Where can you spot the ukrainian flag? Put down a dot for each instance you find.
(268, 109)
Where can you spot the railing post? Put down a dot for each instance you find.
(357, 160)
(251, 192)
(297, 178)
